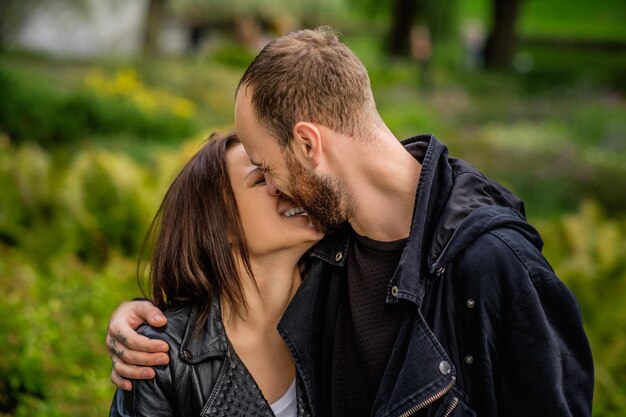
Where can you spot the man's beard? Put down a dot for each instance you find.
(320, 196)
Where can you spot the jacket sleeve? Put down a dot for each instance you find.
(546, 362)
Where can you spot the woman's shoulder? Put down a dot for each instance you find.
(175, 329)
(186, 329)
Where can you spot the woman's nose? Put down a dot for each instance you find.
(271, 187)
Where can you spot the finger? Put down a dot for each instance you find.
(133, 357)
(135, 342)
(123, 370)
(148, 312)
(121, 383)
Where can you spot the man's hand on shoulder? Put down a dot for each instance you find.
(132, 354)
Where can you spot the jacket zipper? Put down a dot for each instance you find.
(451, 407)
(428, 401)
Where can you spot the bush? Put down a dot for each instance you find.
(52, 323)
(586, 250)
(31, 110)
(70, 233)
(93, 206)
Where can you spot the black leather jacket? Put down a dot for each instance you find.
(204, 377)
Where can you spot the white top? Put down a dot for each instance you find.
(287, 405)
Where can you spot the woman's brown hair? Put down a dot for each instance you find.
(198, 236)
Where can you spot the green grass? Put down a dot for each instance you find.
(601, 20)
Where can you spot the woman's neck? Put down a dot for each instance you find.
(275, 282)
(252, 331)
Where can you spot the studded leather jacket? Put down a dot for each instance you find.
(205, 377)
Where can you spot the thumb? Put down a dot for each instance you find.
(150, 313)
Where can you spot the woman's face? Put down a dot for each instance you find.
(271, 224)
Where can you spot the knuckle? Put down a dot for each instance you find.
(128, 357)
(127, 342)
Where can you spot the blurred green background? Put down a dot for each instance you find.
(98, 112)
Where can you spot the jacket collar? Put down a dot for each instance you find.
(430, 153)
(334, 247)
(202, 342)
(431, 195)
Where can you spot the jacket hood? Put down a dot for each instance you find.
(475, 205)
(455, 204)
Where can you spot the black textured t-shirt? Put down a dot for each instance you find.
(367, 327)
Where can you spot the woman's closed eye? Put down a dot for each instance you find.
(260, 180)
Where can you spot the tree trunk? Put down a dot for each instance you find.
(403, 14)
(154, 19)
(502, 38)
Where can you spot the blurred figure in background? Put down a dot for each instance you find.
(421, 51)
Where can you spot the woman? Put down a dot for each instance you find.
(225, 266)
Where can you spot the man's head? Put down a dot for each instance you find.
(303, 84)
(309, 75)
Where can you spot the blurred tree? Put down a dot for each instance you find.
(154, 19)
(13, 14)
(252, 20)
(439, 18)
(436, 16)
(501, 39)
(402, 17)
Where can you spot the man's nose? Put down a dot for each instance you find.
(271, 187)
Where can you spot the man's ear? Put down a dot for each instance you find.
(307, 145)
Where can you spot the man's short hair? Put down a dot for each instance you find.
(309, 75)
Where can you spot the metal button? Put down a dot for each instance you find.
(469, 359)
(470, 303)
(445, 368)
(394, 291)
(187, 355)
(338, 256)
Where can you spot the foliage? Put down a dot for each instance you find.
(232, 54)
(94, 205)
(57, 366)
(70, 232)
(81, 180)
(126, 84)
(32, 110)
(578, 19)
(586, 250)
(216, 9)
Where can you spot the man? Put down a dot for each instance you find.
(429, 295)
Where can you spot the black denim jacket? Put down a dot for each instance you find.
(489, 329)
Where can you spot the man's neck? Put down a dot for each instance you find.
(383, 191)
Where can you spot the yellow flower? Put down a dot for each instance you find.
(127, 81)
(183, 108)
(127, 84)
